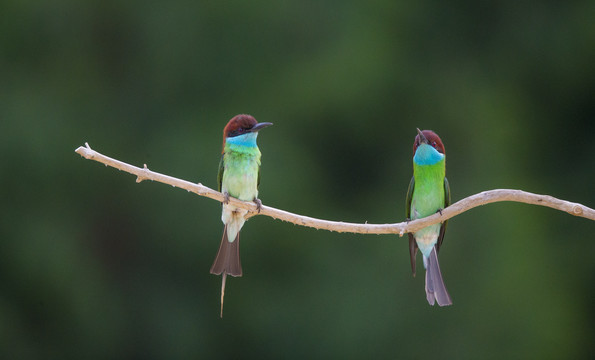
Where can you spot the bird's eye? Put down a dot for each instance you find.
(434, 144)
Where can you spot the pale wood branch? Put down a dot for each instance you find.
(401, 228)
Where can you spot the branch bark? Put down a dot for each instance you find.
(401, 228)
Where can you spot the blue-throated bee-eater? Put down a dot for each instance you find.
(239, 176)
(429, 193)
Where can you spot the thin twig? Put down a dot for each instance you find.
(401, 228)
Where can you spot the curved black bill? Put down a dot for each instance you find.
(259, 126)
(422, 138)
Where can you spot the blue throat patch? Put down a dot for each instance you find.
(248, 139)
(427, 155)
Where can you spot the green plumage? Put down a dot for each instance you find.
(239, 171)
(428, 192)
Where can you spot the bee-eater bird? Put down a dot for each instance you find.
(239, 176)
(429, 193)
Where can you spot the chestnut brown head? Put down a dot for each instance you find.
(241, 125)
(428, 137)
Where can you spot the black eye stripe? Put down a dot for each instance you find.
(237, 132)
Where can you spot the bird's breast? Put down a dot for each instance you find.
(240, 177)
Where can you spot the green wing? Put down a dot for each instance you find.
(220, 173)
(409, 197)
(446, 204)
(446, 193)
(412, 243)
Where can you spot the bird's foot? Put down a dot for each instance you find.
(226, 198)
(439, 211)
(258, 204)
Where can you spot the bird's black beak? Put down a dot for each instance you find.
(422, 138)
(259, 126)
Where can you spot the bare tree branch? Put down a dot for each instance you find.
(401, 228)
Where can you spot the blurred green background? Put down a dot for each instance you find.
(95, 266)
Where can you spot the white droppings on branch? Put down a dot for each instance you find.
(482, 198)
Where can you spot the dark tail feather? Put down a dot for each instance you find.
(228, 257)
(429, 284)
(227, 261)
(412, 251)
(435, 289)
(222, 293)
